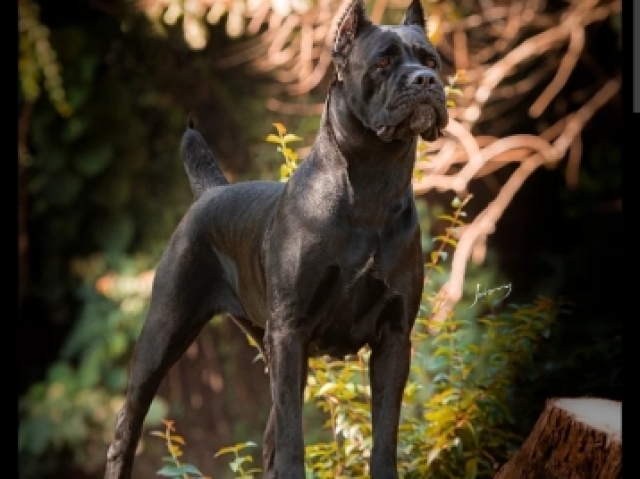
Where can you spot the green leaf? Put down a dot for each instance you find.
(290, 154)
(280, 127)
(447, 240)
(441, 376)
(248, 444)
(438, 268)
(285, 171)
(326, 387)
(289, 137)
(238, 461)
(443, 351)
(253, 470)
(271, 138)
(447, 396)
(226, 450)
(169, 471)
(473, 348)
(190, 469)
(471, 468)
(178, 471)
(177, 439)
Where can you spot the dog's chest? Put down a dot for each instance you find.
(362, 269)
(347, 307)
(340, 251)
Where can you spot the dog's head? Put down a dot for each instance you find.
(391, 74)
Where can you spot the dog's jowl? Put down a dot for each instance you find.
(324, 264)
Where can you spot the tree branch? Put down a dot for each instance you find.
(475, 234)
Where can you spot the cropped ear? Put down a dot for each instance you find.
(351, 23)
(415, 15)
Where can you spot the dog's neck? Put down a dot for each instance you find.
(364, 155)
(356, 141)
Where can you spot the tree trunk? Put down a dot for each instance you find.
(573, 439)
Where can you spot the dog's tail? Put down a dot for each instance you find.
(199, 162)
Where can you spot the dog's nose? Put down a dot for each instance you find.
(423, 78)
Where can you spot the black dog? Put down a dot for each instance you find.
(324, 264)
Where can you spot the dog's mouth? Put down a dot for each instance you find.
(410, 116)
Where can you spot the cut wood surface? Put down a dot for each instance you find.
(572, 439)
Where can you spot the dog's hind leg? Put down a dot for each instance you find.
(188, 289)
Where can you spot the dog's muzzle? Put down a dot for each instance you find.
(421, 109)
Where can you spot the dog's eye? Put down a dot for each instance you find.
(383, 62)
(431, 63)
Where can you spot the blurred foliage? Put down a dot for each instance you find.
(37, 61)
(74, 408)
(103, 197)
(240, 465)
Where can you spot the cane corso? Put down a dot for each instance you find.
(325, 263)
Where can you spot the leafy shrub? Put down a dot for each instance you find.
(83, 390)
(182, 470)
(458, 404)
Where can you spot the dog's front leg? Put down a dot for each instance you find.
(389, 370)
(288, 364)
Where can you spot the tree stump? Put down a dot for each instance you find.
(573, 439)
